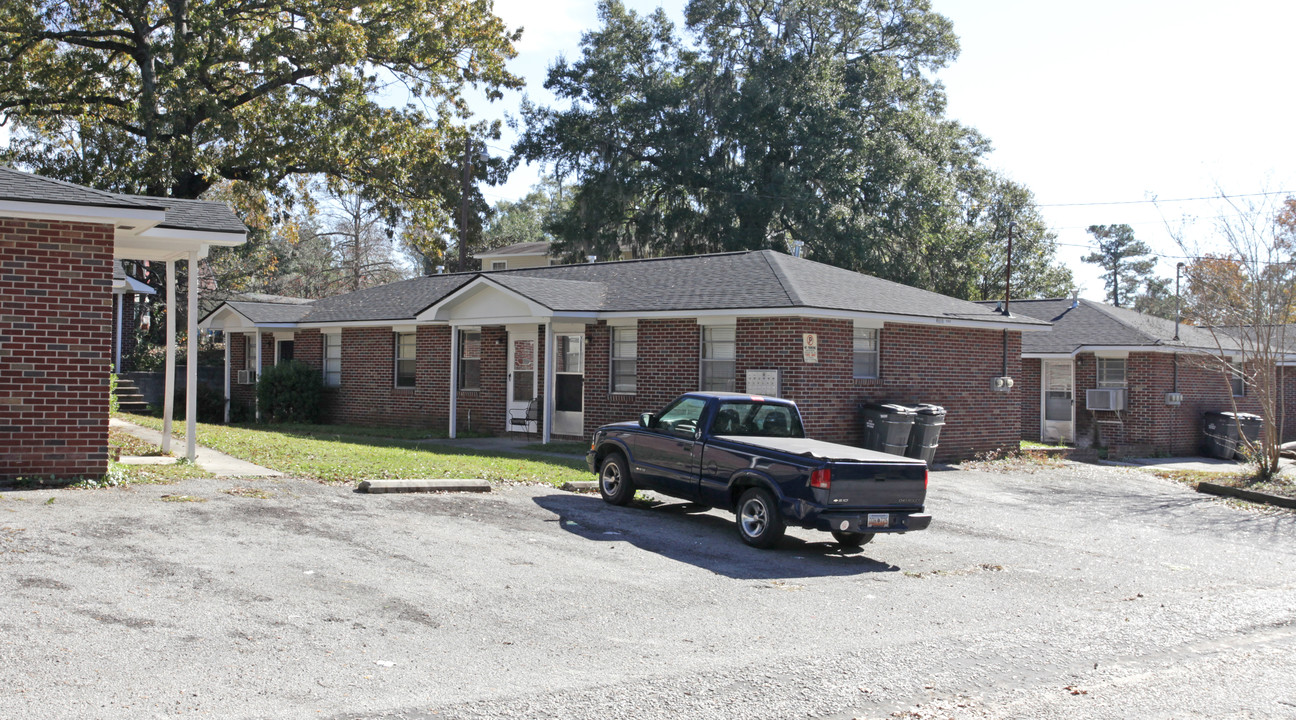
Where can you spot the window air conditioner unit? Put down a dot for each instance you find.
(1105, 399)
(246, 377)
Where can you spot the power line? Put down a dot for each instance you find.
(1169, 200)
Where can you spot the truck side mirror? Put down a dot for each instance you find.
(647, 420)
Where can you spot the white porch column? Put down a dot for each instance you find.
(168, 382)
(549, 376)
(454, 380)
(256, 399)
(225, 334)
(191, 365)
(117, 368)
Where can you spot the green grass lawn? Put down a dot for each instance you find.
(345, 453)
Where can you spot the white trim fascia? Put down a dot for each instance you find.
(429, 314)
(330, 331)
(507, 320)
(808, 312)
(404, 329)
(202, 237)
(66, 212)
(284, 335)
(717, 320)
(1048, 356)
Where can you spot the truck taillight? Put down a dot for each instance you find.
(821, 478)
(925, 472)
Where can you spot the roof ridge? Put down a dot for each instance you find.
(783, 280)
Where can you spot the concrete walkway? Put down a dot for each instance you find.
(1200, 464)
(217, 463)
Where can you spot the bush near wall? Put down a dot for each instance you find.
(290, 392)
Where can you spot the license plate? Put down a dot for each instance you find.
(879, 520)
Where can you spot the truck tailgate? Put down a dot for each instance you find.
(876, 485)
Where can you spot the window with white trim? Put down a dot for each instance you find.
(333, 360)
(1237, 381)
(469, 359)
(250, 352)
(866, 352)
(406, 346)
(718, 357)
(625, 354)
(499, 265)
(1111, 372)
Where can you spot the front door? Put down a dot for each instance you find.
(521, 375)
(1059, 404)
(569, 384)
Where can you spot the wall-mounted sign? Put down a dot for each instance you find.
(763, 382)
(810, 347)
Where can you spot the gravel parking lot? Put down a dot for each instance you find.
(1064, 593)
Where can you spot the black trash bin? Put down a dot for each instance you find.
(925, 434)
(1221, 432)
(886, 427)
(1249, 427)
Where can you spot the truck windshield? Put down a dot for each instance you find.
(747, 417)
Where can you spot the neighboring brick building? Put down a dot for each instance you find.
(58, 242)
(601, 342)
(1160, 386)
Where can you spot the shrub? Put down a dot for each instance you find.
(113, 404)
(211, 405)
(290, 392)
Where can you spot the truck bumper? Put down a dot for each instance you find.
(591, 459)
(896, 522)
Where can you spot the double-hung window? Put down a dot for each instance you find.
(1111, 372)
(333, 359)
(1237, 381)
(625, 353)
(469, 359)
(718, 357)
(405, 352)
(866, 352)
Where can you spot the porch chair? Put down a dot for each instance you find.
(526, 417)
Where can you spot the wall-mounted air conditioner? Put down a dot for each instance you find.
(1105, 399)
(246, 377)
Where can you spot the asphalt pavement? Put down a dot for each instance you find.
(1079, 592)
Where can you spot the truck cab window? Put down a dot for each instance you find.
(682, 417)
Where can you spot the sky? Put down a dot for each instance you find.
(1097, 107)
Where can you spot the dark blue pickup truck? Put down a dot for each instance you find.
(749, 454)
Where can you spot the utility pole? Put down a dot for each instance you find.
(1008, 274)
(463, 205)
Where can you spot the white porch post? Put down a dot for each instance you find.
(168, 383)
(454, 381)
(191, 365)
(549, 376)
(256, 396)
(117, 368)
(225, 334)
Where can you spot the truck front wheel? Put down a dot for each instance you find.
(759, 522)
(615, 484)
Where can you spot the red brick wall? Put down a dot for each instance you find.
(1287, 383)
(1148, 425)
(368, 394)
(951, 367)
(55, 348)
(1028, 385)
(484, 409)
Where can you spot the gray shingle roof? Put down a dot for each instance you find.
(1095, 324)
(203, 215)
(526, 248)
(260, 312)
(394, 301)
(25, 187)
(555, 294)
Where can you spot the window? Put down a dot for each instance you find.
(866, 352)
(499, 265)
(1237, 380)
(625, 351)
(250, 352)
(469, 359)
(682, 417)
(283, 351)
(745, 417)
(333, 359)
(1111, 372)
(406, 343)
(718, 358)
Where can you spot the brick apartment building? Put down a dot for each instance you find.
(1158, 387)
(602, 342)
(58, 247)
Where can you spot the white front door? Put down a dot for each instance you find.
(1056, 385)
(521, 375)
(569, 384)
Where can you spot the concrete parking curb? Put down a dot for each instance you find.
(1253, 496)
(580, 486)
(423, 485)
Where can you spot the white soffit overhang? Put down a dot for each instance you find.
(128, 284)
(485, 302)
(160, 243)
(125, 220)
(810, 312)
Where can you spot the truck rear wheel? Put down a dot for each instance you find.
(615, 484)
(759, 522)
(852, 539)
